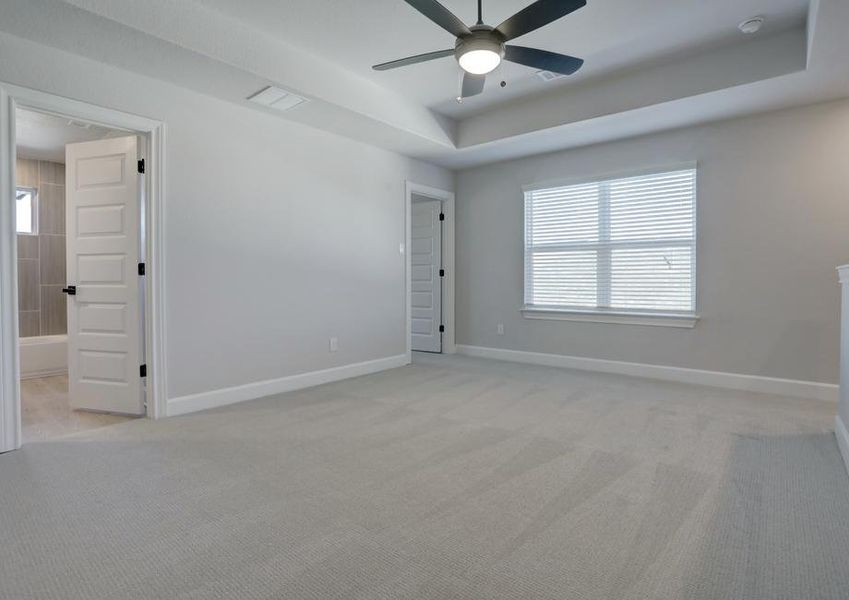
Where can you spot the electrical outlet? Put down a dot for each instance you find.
(500, 329)
(334, 344)
(401, 248)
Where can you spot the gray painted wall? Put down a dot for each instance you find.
(773, 223)
(277, 235)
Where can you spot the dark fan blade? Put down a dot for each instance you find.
(472, 85)
(541, 12)
(543, 59)
(411, 60)
(440, 15)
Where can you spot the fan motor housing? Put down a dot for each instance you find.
(483, 37)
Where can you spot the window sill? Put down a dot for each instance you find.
(653, 319)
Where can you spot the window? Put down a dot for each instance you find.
(25, 211)
(618, 246)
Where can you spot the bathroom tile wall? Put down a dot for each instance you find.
(41, 257)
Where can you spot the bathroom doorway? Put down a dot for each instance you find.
(78, 207)
(97, 302)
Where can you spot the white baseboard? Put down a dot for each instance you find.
(842, 435)
(260, 389)
(734, 381)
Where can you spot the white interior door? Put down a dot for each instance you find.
(425, 279)
(104, 334)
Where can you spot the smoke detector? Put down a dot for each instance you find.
(276, 98)
(750, 26)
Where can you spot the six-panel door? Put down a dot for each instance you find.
(104, 327)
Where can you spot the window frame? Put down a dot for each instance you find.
(662, 318)
(33, 209)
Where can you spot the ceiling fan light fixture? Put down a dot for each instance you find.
(479, 62)
(480, 53)
(480, 48)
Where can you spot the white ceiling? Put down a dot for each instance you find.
(43, 137)
(651, 65)
(609, 34)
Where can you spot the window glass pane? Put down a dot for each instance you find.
(564, 278)
(656, 278)
(24, 211)
(564, 215)
(653, 207)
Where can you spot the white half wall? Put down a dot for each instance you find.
(840, 429)
(278, 236)
(773, 223)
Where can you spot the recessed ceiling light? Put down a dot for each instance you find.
(277, 98)
(752, 25)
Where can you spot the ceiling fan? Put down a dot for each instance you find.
(480, 48)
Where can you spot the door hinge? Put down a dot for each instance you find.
(141, 269)
(441, 216)
(143, 371)
(442, 329)
(141, 166)
(442, 272)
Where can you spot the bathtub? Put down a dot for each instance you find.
(44, 355)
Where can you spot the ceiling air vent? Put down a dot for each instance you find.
(549, 76)
(276, 98)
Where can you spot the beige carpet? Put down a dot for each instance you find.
(452, 478)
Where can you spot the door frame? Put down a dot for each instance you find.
(447, 198)
(13, 97)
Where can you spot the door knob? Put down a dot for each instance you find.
(71, 290)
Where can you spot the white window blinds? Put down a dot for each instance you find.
(616, 245)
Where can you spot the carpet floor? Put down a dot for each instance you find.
(449, 478)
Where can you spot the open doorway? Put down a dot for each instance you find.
(79, 234)
(430, 269)
(95, 174)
